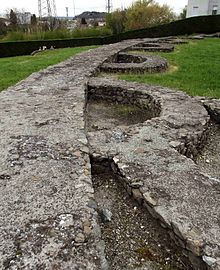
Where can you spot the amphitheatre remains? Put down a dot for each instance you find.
(98, 173)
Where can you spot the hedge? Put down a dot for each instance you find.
(201, 24)
(15, 48)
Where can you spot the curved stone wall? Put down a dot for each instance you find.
(134, 63)
(155, 47)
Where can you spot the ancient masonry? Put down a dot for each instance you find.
(48, 212)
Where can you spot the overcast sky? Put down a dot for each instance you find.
(80, 5)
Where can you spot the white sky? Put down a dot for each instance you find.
(80, 5)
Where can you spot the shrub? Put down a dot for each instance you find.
(57, 34)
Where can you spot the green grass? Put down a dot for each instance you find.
(194, 68)
(14, 69)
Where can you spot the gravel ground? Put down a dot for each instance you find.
(133, 238)
(105, 115)
(209, 160)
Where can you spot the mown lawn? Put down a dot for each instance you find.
(14, 69)
(194, 68)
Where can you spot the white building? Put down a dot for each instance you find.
(24, 17)
(203, 7)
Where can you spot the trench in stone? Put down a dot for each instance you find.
(209, 158)
(133, 238)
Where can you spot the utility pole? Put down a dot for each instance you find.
(47, 9)
(67, 13)
(74, 10)
(109, 6)
(48, 13)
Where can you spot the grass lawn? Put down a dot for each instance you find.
(14, 69)
(194, 68)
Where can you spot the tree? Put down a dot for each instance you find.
(147, 13)
(116, 21)
(83, 21)
(183, 13)
(13, 19)
(3, 28)
(142, 14)
(33, 20)
(95, 23)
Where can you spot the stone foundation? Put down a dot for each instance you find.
(174, 41)
(154, 47)
(132, 63)
(142, 165)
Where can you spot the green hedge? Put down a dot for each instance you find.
(15, 48)
(202, 24)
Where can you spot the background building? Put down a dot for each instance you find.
(203, 7)
(24, 17)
